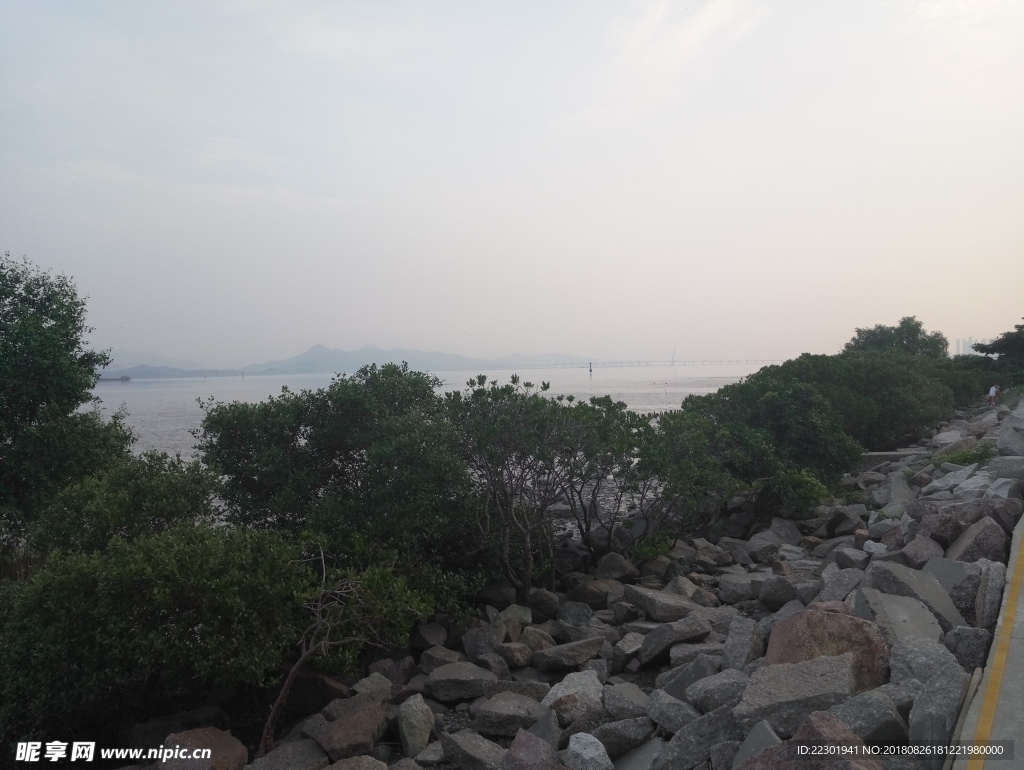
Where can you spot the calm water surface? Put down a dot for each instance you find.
(163, 412)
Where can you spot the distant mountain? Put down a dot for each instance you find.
(127, 359)
(320, 359)
(165, 372)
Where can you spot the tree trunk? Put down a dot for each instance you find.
(267, 739)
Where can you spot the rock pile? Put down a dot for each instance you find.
(860, 625)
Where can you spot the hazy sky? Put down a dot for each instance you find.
(236, 181)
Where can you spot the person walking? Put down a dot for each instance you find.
(992, 393)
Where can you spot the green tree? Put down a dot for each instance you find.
(93, 637)
(47, 372)
(1008, 348)
(908, 336)
(131, 497)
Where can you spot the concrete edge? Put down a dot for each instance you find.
(970, 727)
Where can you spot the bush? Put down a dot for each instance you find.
(134, 496)
(93, 637)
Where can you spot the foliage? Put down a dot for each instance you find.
(511, 438)
(46, 374)
(94, 636)
(370, 463)
(908, 336)
(980, 453)
(1009, 349)
(131, 497)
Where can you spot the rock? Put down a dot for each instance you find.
(873, 718)
(355, 725)
(1004, 489)
(984, 539)
(763, 546)
(897, 580)
(844, 520)
(543, 604)
(989, 597)
(469, 751)
(949, 573)
(788, 610)
(436, 657)
(838, 584)
(575, 613)
(495, 664)
(897, 617)
(760, 737)
(744, 643)
(506, 713)
(969, 646)
(786, 531)
(624, 735)
(657, 643)
(776, 591)
(614, 566)
(950, 480)
(902, 695)
(733, 588)
(659, 606)
(515, 654)
(936, 709)
(851, 558)
(974, 488)
(786, 693)
(723, 754)
(226, 751)
(597, 594)
(671, 713)
(303, 754)
(1010, 441)
(536, 638)
(692, 743)
(717, 690)
(498, 595)
(922, 548)
(819, 728)
(625, 701)
(415, 723)
(920, 659)
(548, 730)
(1006, 467)
(676, 681)
(528, 752)
(585, 752)
(581, 682)
(812, 634)
(360, 763)
(642, 757)
(681, 654)
(567, 655)
(535, 690)
(458, 681)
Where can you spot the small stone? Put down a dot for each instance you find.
(585, 752)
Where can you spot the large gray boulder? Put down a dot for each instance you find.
(624, 735)
(670, 713)
(984, 539)
(415, 723)
(1007, 467)
(1010, 441)
(642, 757)
(505, 714)
(760, 737)
(897, 580)
(920, 659)
(585, 752)
(873, 718)
(988, 600)
(657, 643)
(567, 655)
(786, 693)
(469, 751)
(692, 744)
(676, 681)
(304, 754)
(659, 606)
(897, 617)
(625, 701)
(744, 643)
(717, 690)
(528, 752)
(352, 726)
(969, 646)
(458, 681)
(936, 709)
(951, 480)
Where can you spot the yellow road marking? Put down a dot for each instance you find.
(995, 679)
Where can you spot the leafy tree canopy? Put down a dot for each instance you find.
(908, 336)
(1008, 346)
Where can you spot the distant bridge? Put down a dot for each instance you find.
(621, 364)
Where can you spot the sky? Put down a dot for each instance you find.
(233, 182)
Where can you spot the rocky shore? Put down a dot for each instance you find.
(862, 625)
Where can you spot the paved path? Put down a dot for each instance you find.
(997, 711)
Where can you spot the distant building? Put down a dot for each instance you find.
(963, 347)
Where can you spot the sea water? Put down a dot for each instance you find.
(164, 412)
